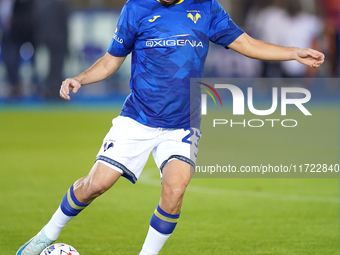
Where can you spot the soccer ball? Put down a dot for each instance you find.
(59, 249)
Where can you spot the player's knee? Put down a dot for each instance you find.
(175, 193)
(171, 199)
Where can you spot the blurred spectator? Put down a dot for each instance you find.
(331, 38)
(51, 31)
(285, 23)
(264, 22)
(252, 9)
(17, 24)
(300, 30)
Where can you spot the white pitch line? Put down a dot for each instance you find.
(146, 178)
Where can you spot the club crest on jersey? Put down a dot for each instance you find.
(108, 145)
(194, 16)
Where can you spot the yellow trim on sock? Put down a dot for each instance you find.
(72, 204)
(162, 217)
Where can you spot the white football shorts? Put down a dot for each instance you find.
(128, 144)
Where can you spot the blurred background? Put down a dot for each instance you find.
(45, 146)
(46, 41)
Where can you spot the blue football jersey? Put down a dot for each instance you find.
(169, 46)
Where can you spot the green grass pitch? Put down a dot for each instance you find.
(43, 152)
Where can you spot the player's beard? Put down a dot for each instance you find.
(171, 2)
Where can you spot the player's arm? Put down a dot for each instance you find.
(261, 50)
(102, 69)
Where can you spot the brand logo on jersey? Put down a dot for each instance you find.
(194, 18)
(154, 18)
(116, 38)
(173, 42)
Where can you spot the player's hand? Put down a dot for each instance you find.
(68, 85)
(310, 57)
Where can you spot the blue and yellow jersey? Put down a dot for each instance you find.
(169, 46)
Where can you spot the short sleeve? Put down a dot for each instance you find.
(223, 30)
(126, 33)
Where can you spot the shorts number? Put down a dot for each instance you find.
(190, 135)
(187, 137)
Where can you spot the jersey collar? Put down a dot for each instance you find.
(180, 1)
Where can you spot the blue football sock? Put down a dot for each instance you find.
(70, 205)
(163, 222)
(162, 225)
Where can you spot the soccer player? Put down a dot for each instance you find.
(169, 43)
